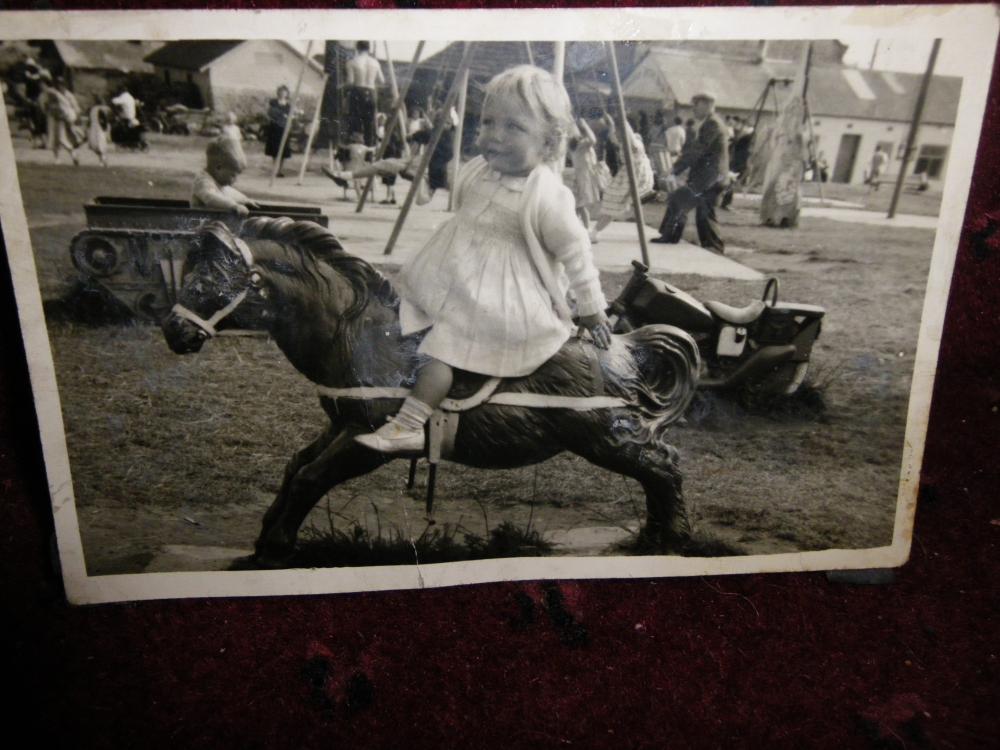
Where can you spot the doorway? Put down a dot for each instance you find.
(846, 156)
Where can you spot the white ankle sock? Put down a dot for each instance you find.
(413, 414)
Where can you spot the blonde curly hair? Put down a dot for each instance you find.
(539, 93)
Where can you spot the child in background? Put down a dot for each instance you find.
(358, 154)
(232, 131)
(490, 285)
(616, 203)
(213, 188)
(586, 180)
(394, 149)
(99, 130)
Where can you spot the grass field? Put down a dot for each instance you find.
(189, 451)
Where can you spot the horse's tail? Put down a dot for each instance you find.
(667, 362)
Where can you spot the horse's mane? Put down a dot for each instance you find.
(316, 243)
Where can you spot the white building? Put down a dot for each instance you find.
(238, 76)
(852, 111)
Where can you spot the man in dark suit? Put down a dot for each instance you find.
(706, 160)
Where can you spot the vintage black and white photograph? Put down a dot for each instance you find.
(392, 310)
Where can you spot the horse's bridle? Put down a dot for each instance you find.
(208, 327)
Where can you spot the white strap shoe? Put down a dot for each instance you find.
(393, 438)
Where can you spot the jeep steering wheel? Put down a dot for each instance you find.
(770, 289)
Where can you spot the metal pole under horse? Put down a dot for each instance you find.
(313, 127)
(390, 126)
(425, 160)
(291, 114)
(627, 153)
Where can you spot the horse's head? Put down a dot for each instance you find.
(221, 288)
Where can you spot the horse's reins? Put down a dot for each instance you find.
(208, 327)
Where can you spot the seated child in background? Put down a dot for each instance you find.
(437, 168)
(232, 131)
(213, 188)
(358, 154)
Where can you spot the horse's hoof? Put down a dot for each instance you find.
(247, 562)
(653, 540)
(262, 562)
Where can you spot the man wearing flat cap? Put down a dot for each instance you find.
(706, 160)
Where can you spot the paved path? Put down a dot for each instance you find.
(807, 200)
(877, 218)
(366, 235)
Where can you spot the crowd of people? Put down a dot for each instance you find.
(48, 108)
(693, 165)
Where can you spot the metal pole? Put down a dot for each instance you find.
(531, 57)
(807, 111)
(392, 122)
(911, 137)
(559, 62)
(291, 114)
(812, 150)
(313, 127)
(457, 141)
(425, 160)
(627, 152)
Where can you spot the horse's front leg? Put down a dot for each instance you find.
(302, 457)
(339, 460)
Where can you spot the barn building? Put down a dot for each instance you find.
(96, 69)
(237, 76)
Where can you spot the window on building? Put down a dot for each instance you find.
(887, 148)
(930, 160)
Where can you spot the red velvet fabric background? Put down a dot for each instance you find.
(766, 660)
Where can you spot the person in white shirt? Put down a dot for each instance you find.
(676, 136)
(126, 105)
(364, 74)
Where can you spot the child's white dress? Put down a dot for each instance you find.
(617, 199)
(99, 129)
(477, 282)
(586, 180)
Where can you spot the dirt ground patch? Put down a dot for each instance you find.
(169, 450)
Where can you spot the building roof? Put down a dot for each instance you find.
(752, 50)
(489, 58)
(197, 55)
(191, 54)
(834, 90)
(119, 55)
(587, 59)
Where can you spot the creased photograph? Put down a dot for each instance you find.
(657, 297)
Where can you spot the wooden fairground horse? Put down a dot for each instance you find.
(336, 318)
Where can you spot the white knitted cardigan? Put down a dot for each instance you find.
(544, 181)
